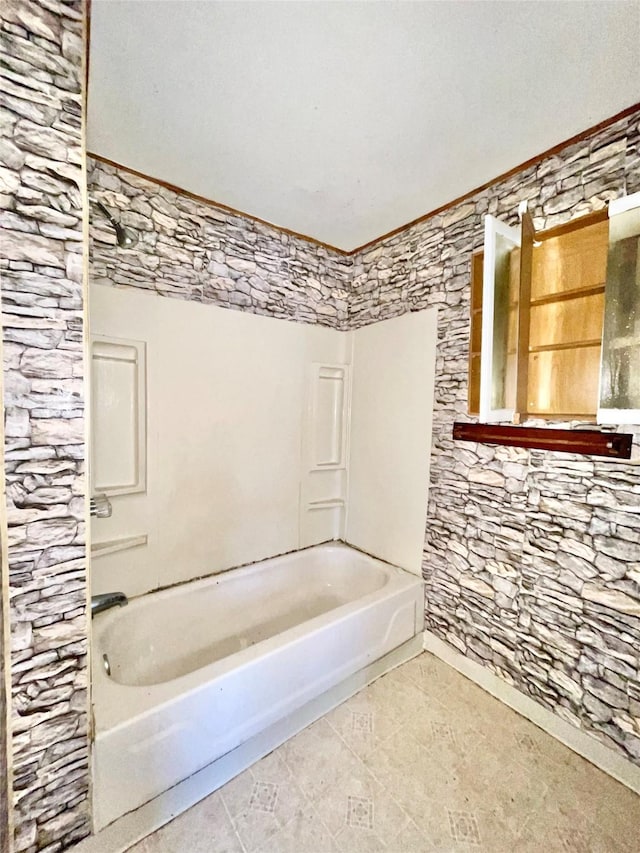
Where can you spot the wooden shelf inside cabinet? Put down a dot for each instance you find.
(614, 445)
(547, 349)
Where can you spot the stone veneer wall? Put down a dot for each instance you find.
(197, 251)
(4, 779)
(532, 559)
(41, 196)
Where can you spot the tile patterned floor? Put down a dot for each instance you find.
(423, 760)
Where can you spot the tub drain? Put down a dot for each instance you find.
(106, 665)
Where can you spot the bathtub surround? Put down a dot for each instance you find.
(42, 181)
(254, 480)
(531, 557)
(229, 493)
(202, 253)
(391, 412)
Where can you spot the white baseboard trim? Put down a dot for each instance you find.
(579, 741)
(130, 828)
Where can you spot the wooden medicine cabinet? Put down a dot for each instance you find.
(555, 319)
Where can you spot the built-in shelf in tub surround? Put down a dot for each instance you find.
(330, 502)
(325, 453)
(110, 546)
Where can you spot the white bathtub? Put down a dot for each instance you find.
(198, 669)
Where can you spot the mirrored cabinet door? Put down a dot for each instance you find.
(620, 370)
(499, 321)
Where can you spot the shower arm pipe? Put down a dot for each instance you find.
(107, 213)
(126, 238)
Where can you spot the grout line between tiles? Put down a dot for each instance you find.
(388, 793)
(232, 822)
(307, 800)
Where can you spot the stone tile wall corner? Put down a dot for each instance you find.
(536, 576)
(41, 200)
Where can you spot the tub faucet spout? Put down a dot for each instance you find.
(106, 600)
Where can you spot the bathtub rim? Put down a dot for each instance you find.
(168, 692)
(328, 545)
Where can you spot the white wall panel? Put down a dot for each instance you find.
(226, 393)
(391, 414)
(250, 448)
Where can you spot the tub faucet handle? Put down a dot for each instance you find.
(100, 506)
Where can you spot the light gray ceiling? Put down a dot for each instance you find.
(344, 120)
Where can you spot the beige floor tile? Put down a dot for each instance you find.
(398, 697)
(364, 721)
(358, 805)
(262, 800)
(551, 829)
(516, 794)
(400, 764)
(522, 743)
(205, 828)
(459, 695)
(358, 840)
(452, 827)
(423, 668)
(304, 834)
(395, 675)
(446, 789)
(446, 735)
(422, 761)
(578, 790)
(316, 757)
(410, 840)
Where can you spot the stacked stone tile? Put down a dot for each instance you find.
(196, 251)
(4, 779)
(532, 559)
(41, 179)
